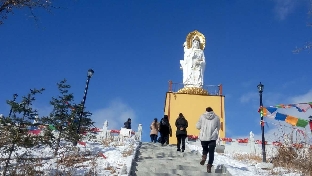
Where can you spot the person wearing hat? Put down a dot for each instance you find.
(127, 124)
(154, 130)
(209, 126)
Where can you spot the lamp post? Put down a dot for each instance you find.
(310, 123)
(14, 98)
(90, 73)
(260, 89)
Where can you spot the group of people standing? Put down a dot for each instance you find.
(208, 124)
(164, 128)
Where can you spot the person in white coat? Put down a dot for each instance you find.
(209, 126)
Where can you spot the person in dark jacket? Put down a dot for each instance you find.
(128, 124)
(181, 133)
(165, 130)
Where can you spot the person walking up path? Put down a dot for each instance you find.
(154, 130)
(209, 126)
(181, 133)
(165, 130)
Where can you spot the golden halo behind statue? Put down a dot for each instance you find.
(195, 34)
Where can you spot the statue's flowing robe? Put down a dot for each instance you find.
(193, 67)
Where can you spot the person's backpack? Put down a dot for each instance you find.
(163, 123)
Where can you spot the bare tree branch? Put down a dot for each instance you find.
(7, 6)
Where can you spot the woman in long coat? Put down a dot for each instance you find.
(154, 130)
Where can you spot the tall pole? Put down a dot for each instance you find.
(170, 86)
(262, 125)
(90, 73)
(14, 98)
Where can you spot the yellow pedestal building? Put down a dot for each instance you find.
(192, 106)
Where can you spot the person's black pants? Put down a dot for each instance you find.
(209, 148)
(154, 138)
(164, 138)
(181, 139)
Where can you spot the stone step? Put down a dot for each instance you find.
(170, 165)
(185, 173)
(149, 155)
(155, 160)
(164, 161)
(186, 165)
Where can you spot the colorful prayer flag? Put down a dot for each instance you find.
(271, 109)
(291, 120)
(272, 116)
(281, 117)
(302, 107)
(302, 123)
(52, 127)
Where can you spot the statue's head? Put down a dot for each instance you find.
(196, 43)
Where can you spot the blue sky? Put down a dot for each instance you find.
(134, 47)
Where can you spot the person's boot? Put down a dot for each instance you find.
(209, 168)
(202, 162)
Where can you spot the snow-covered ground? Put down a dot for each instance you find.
(238, 168)
(114, 157)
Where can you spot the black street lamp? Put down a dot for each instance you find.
(90, 73)
(260, 89)
(310, 123)
(14, 98)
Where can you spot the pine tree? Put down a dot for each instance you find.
(14, 129)
(64, 118)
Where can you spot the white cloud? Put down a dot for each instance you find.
(116, 114)
(283, 8)
(302, 98)
(248, 97)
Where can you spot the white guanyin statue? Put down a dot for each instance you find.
(193, 65)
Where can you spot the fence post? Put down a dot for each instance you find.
(220, 89)
(170, 86)
(104, 131)
(140, 132)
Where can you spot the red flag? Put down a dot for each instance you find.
(102, 155)
(34, 132)
(82, 143)
(310, 123)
